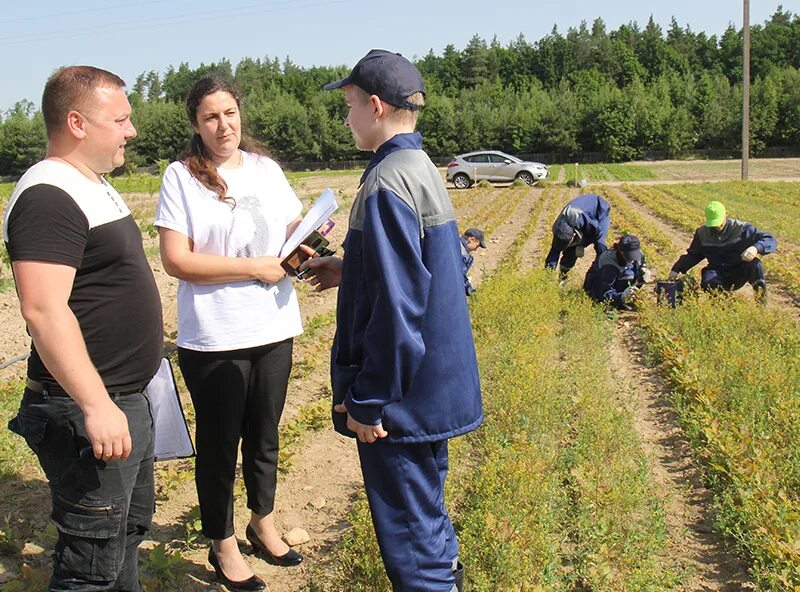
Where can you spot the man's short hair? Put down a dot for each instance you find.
(70, 89)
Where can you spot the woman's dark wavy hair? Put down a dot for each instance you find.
(196, 157)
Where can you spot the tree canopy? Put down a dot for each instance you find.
(621, 93)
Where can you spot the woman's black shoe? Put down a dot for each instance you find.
(288, 559)
(251, 584)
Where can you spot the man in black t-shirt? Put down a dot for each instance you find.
(92, 308)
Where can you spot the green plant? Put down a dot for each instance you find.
(32, 579)
(172, 475)
(165, 569)
(739, 406)
(148, 228)
(310, 418)
(193, 526)
(14, 452)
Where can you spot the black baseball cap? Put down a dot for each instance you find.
(563, 231)
(476, 233)
(388, 75)
(630, 247)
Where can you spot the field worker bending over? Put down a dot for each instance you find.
(733, 249)
(404, 372)
(617, 274)
(470, 241)
(584, 221)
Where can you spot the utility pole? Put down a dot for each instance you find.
(746, 90)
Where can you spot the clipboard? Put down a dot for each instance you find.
(172, 439)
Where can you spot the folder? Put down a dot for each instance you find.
(171, 430)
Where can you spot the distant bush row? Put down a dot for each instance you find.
(620, 93)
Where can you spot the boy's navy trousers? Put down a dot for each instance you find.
(405, 490)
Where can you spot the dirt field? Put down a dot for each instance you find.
(322, 481)
(764, 169)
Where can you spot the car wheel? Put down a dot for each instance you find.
(526, 177)
(461, 181)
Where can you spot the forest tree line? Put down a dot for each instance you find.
(621, 93)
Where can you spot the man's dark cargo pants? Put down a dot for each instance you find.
(102, 510)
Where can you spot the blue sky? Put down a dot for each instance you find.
(129, 37)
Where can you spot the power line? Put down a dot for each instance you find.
(37, 17)
(193, 17)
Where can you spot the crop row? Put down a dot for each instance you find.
(658, 248)
(738, 403)
(735, 371)
(496, 203)
(775, 206)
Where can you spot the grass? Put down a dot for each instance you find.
(553, 171)
(136, 183)
(14, 452)
(606, 172)
(739, 402)
(295, 175)
(5, 191)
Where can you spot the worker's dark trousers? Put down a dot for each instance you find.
(405, 489)
(747, 272)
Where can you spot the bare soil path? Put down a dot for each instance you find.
(694, 545)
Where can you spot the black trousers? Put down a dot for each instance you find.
(751, 272)
(102, 510)
(237, 395)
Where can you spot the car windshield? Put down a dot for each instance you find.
(511, 158)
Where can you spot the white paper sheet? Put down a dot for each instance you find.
(172, 433)
(319, 212)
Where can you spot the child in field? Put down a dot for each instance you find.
(404, 372)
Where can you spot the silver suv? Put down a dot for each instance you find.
(492, 165)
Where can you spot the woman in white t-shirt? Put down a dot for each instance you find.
(224, 212)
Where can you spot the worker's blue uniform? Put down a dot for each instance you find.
(723, 250)
(403, 355)
(609, 276)
(590, 216)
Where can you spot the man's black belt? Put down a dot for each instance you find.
(53, 390)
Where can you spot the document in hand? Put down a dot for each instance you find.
(172, 433)
(316, 216)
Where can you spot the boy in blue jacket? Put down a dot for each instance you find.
(733, 249)
(617, 274)
(403, 366)
(584, 221)
(470, 241)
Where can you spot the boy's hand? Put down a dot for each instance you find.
(323, 272)
(365, 433)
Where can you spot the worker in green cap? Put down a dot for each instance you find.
(733, 250)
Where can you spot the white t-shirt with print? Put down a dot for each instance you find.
(233, 315)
